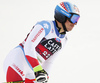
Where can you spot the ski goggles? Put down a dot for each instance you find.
(74, 18)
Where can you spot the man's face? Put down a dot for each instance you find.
(69, 25)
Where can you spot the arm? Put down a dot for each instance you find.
(40, 30)
(48, 64)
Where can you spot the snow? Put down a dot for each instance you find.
(79, 61)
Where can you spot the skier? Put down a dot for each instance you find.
(31, 60)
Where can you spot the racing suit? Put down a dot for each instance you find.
(40, 47)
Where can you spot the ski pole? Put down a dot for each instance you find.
(15, 82)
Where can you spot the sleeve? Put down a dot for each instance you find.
(40, 30)
(50, 62)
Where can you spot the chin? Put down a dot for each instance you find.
(70, 30)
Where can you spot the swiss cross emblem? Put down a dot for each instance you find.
(77, 10)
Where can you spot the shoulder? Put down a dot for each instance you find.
(46, 25)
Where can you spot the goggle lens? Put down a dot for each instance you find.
(74, 18)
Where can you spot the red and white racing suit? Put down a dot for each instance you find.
(40, 47)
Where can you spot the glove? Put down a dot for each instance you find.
(41, 76)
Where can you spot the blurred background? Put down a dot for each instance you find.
(79, 62)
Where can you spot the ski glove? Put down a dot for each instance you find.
(41, 76)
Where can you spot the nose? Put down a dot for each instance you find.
(75, 23)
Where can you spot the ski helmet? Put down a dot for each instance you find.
(66, 10)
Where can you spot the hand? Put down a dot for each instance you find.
(41, 76)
